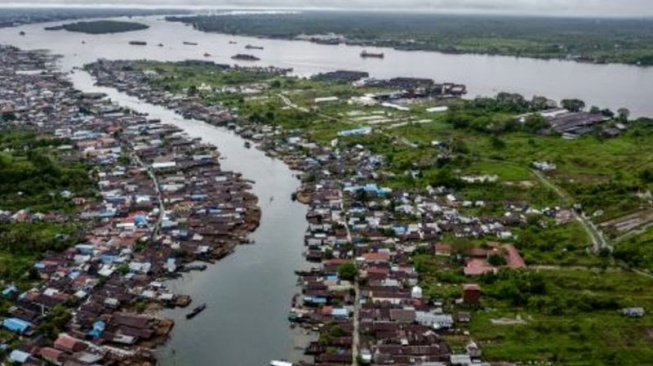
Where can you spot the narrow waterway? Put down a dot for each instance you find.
(248, 293)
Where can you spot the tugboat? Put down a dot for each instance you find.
(244, 57)
(195, 311)
(366, 54)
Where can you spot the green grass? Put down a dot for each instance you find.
(602, 337)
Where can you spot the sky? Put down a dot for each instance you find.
(602, 8)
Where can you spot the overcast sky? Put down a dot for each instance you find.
(621, 8)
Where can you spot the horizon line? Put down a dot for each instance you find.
(475, 12)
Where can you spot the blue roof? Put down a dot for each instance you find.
(19, 356)
(9, 290)
(16, 325)
(341, 313)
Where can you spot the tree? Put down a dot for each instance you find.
(595, 110)
(623, 114)
(539, 103)
(535, 122)
(348, 271)
(573, 105)
(497, 260)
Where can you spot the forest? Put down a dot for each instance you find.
(628, 41)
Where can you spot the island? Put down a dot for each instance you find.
(101, 27)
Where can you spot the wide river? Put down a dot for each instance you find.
(248, 293)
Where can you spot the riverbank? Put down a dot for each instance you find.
(541, 38)
(162, 203)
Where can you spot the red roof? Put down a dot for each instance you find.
(471, 286)
(443, 248)
(66, 342)
(513, 258)
(50, 354)
(376, 257)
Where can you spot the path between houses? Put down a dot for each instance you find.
(150, 173)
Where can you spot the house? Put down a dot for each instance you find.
(473, 350)
(633, 312)
(69, 344)
(433, 320)
(16, 325)
(471, 293)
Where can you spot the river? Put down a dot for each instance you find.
(248, 293)
(611, 86)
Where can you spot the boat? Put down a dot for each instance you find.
(21, 33)
(137, 43)
(190, 43)
(366, 54)
(244, 57)
(280, 363)
(293, 196)
(195, 311)
(250, 47)
(233, 42)
(206, 54)
(160, 44)
(248, 144)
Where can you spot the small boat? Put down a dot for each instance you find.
(138, 43)
(160, 44)
(21, 33)
(250, 47)
(248, 144)
(243, 57)
(233, 42)
(190, 43)
(366, 54)
(195, 311)
(293, 196)
(83, 42)
(280, 363)
(206, 54)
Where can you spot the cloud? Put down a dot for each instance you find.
(637, 8)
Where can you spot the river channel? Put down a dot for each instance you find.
(248, 293)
